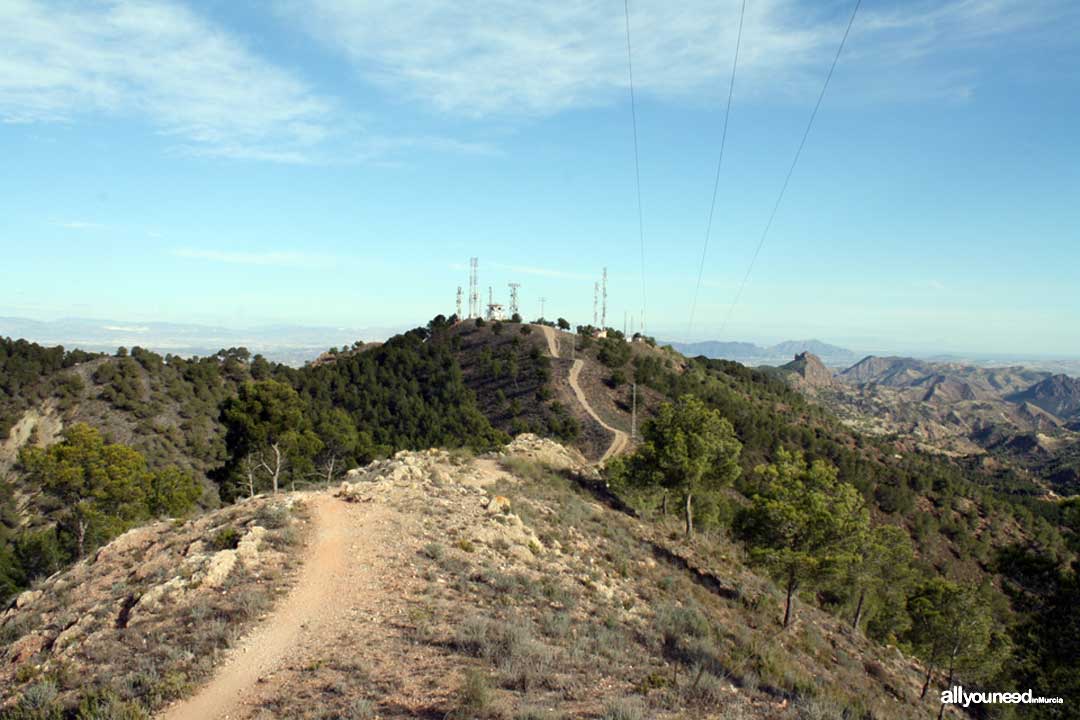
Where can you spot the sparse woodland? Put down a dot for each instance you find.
(975, 576)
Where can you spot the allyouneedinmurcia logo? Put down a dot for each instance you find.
(958, 696)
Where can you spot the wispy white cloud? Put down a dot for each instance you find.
(157, 59)
(275, 258)
(477, 58)
(202, 88)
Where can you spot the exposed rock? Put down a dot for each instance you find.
(27, 598)
(154, 598)
(808, 370)
(76, 630)
(498, 504)
(135, 538)
(218, 569)
(548, 452)
(26, 647)
(248, 548)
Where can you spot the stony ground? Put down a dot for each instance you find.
(148, 616)
(435, 584)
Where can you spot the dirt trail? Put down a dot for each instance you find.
(552, 340)
(619, 442)
(342, 571)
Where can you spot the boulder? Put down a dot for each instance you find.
(153, 599)
(248, 548)
(219, 567)
(498, 504)
(133, 539)
(26, 647)
(27, 598)
(74, 631)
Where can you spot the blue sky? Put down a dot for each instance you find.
(337, 163)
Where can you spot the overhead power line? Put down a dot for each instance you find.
(791, 170)
(637, 162)
(719, 163)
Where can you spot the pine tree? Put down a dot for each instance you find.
(687, 448)
(805, 526)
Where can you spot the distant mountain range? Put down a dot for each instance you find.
(1016, 415)
(751, 354)
(289, 344)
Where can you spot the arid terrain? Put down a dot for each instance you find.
(1020, 418)
(431, 584)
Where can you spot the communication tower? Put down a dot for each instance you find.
(514, 298)
(474, 288)
(603, 310)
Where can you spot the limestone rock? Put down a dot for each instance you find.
(154, 598)
(26, 647)
(219, 567)
(498, 504)
(135, 538)
(76, 630)
(27, 598)
(248, 549)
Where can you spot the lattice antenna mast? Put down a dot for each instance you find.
(603, 310)
(542, 301)
(514, 298)
(474, 288)
(595, 304)
(458, 305)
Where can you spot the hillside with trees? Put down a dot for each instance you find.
(958, 565)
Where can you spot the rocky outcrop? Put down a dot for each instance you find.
(808, 371)
(151, 580)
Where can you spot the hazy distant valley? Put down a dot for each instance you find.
(289, 344)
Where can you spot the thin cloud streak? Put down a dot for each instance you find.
(478, 58)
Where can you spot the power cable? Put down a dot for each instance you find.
(637, 161)
(791, 170)
(716, 181)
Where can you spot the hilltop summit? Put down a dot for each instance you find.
(810, 371)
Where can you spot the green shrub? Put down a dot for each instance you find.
(474, 698)
(624, 709)
(39, 698)
(225, 539)
(106, 705)
(272, 517)
(434, 551)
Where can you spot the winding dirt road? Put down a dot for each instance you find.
(621, 439)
